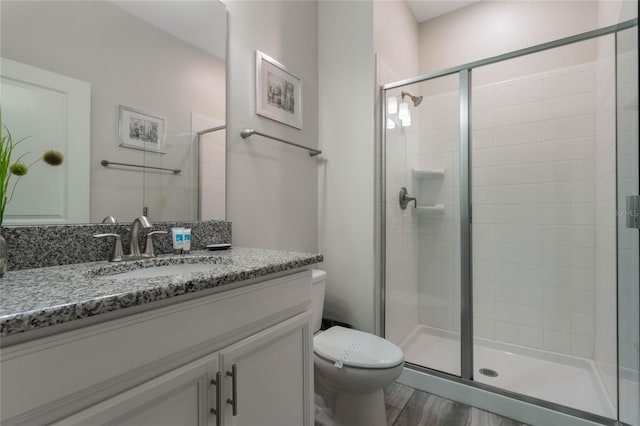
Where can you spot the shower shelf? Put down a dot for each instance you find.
(438, 208)
(428, 173)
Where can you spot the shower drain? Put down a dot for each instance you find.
(488, 372)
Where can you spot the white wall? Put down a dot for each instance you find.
(272, 191)
(490, 28)
(128, 62)
(346, 177)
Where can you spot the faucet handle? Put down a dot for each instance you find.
(116, 253)
(148, 251)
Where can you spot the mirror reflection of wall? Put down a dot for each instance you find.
(167, 60)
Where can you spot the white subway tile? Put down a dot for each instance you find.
(557, 319)
(531, 295)
(483, 157)
(530, 336)
(582, 346)
(583, 301)
(583, 323)
(507, 135)
(530, 315)
(505, 233)
(557, 108)
(507, 273)
(506, 312)
(530, 92)
(483, 327)
(584, 103)
(530, 113)
(531, 254)
(506, 253)
(483, 139)
(506, 332)
(506, 175)
(529, 133)
(583, 126)
(557, 86)
(537, 193)
(557, 129)
(583, 170)
(557, 341)
(531, 234)
(582, 148)
(561, 170)
(584, 81)
(504, 96)
(484, 119)
(506, 194)
(536, 173)
(557, 298)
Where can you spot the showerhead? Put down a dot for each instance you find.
(416, 99)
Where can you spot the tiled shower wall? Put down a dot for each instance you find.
(534, 195)
(401, 227)
(628, 241)
(605, 339)
(534, 203)
(439, 266)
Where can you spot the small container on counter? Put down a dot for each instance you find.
(186, 240)
(177, 236)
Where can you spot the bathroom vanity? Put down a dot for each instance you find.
(227, 346)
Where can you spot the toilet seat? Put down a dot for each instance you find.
(357, 349)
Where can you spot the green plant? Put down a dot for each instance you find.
(17, 168)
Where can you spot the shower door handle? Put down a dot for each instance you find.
(633, 211)
(405, 199)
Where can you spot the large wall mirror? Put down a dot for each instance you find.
(132, 93)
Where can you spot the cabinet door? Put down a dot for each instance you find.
(183, 397)
(273, 382)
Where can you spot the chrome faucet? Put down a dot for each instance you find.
(134, 247)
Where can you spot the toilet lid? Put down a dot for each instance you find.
(355, 348)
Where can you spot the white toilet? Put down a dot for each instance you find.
(351, 367)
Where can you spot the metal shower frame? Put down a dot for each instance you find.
(466, 342)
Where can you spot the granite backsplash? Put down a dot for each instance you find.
(53, 245)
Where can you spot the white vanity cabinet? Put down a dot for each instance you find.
(174, 365)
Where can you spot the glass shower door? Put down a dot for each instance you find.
(628, 239)
(422, 302)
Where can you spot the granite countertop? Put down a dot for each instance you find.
(31, 299)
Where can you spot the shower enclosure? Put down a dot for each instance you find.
(516, 268)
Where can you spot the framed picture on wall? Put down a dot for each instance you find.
(141, 130)
(278, 92)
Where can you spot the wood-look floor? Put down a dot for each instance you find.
(410, 407)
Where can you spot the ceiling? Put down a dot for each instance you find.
(200, 23)
(427, 9)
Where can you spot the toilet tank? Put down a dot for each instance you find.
(317, 297)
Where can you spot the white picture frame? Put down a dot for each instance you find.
(141, 130)
(278, 92)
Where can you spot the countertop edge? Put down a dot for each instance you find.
(31, 320)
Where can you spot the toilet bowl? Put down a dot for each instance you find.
(351, 368)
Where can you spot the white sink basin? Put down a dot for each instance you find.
(161, 271)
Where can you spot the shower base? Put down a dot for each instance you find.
(561, 379)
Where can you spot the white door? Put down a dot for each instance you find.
(273, 382)
(53, 112)
(183, 397)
